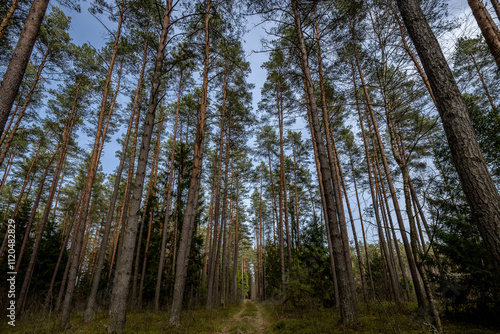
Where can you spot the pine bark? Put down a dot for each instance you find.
(348, 305)
(5, 21)
(100, 137)
(194, 188)
(6, 143)
(496, 6)
(323, 205)
(161, 264)
(489, 29)
(20, 57)
(234, 294)
(477, 183)
(31, 265)
(411, 260)
(282, 207)
(118, 307)
(213, 258)
(89, 311)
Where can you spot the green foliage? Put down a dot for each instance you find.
(486, 122)
(470, 288)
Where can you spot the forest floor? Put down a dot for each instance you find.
(251, 317)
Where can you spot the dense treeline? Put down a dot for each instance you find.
(368, 173)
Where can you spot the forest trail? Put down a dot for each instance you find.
(248, 320)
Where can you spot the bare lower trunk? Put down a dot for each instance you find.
(118, 307)
(194, 188)
(368, 265)
(109, 216)
(323, 207)
(31, 265)
(100, 138)
(213, 258)
(348, 305)
(161, 264)
(411, 260)
(234, 295)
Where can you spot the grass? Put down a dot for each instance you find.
(382, 318)
(250, 311)
(242, 328)
(193, 321)
(373, 318)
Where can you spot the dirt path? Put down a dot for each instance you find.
(259, 321)
(248, 320)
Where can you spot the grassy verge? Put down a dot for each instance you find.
(381, 318)
(193, 321)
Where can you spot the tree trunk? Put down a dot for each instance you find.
(234, 294)
(411, 260)
(297, 209)
(496, 6)
(48, 296)
(348, 305)
(489, 29)
(361, 215)
(323, 206)
(89, 311)
(118, 307)
(31, 265)
(12, 134)
(148, 238)
(20, 57)
(5, 21)
(282, 208)
(194, 188)
(161, 264)
(20, 198)
(356, 244)
(475, 178)
(100, 138)
(213, 263)
(334, 168)
(486, 90)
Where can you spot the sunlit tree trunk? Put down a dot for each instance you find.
(8, 140)
(89, 311)
(5, 21)
(489, 29)
(194, 188)
(118, 307)
(411, 260)
(217, 236)
(348, 306)
(19, 61)
(100, 137)
(161, 264)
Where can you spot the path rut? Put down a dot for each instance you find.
(248, 320)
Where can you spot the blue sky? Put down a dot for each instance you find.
(87, 29)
